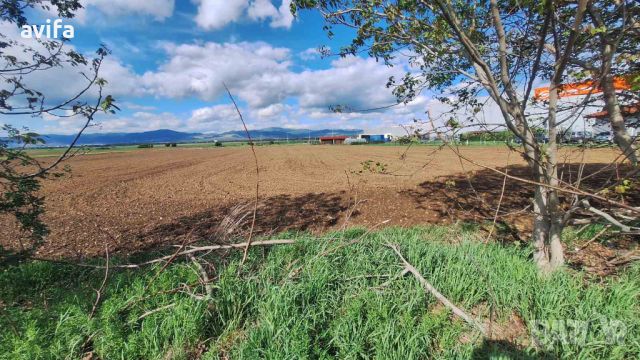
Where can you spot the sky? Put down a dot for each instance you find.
(170, 59)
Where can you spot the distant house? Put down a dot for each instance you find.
(332, 140)
(601, 124)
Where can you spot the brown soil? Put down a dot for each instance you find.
(142, 199)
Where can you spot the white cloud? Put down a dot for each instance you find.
(285, 17)
(200, 70)
(216, 14)
(216, 118)
(309, 54)
(138, 122)
(353, 81)
(159, 9)
(137, 107)
(271, 111)
(262, 9)
(261, 75)
(221, 118)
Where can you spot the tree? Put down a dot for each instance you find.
(609, 49)
(21, 174)
(474, 49)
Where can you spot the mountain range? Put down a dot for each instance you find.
(164, 136)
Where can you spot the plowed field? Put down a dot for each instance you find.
(142, 199)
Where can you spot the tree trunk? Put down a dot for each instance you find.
(618, 127)
(547, 225)
(547, 231)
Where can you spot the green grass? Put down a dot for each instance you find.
(55, 152)
(335, 307)
(94, 150)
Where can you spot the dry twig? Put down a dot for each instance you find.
(104, 283)
(504, 185)
(584, 246)
(255, 158)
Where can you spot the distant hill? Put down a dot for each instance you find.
(280, 133)
(164, 136)
(156, 136)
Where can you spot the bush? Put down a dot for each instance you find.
(406, 140)
(486, 136)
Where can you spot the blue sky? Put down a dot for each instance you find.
(170, 59)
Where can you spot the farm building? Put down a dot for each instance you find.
(332, 140)
(631, 115)
(374, 138)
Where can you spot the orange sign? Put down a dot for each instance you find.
(581, 88)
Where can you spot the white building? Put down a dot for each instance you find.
(600, 121)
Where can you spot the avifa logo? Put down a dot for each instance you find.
(48, 30)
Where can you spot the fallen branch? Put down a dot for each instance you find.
(151, 312)
(204, 278)
(605, 216)
(585, 222)
(191, 250)
(104, 283)
(583, 228)
(210, 248)
(628, 257)
(456, 310)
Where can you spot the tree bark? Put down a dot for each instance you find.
(548, 224)
(620, 135)
(547, 230)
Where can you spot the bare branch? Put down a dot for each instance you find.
(255, 158)
(428, 287)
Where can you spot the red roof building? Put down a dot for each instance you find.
(332, 139)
